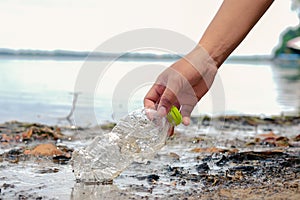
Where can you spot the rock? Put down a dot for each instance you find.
(202, 168)
(46, 150)
(152, 178)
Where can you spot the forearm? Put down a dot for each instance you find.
(230, 26)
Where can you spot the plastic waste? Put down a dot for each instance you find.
(137, 137)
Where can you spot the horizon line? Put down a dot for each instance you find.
(71, 54)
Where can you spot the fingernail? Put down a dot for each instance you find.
(162, 111)
(186, 121)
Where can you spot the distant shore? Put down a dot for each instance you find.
(29, 54)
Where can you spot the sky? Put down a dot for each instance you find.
(84, 24)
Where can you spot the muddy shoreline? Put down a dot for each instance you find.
(228, 157)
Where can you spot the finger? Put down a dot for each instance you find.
(186, 111)
(186, 121)
(153, 96)
(167, 100)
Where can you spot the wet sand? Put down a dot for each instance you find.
(232, 157)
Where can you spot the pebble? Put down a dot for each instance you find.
(46, 150)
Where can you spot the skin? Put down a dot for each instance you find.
(231, 24)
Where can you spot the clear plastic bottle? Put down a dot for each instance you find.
(137, 137)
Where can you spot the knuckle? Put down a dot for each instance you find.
(165, 101)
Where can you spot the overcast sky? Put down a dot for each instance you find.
(85, 24)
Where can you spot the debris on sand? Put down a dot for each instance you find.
(239, 157)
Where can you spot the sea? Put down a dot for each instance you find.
(84, 92)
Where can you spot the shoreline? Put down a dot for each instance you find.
(30, 54)
(248, 118)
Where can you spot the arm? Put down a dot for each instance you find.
(186, 81)
(232, 23)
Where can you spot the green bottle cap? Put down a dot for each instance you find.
(174, 116)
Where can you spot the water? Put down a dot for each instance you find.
(42, 91)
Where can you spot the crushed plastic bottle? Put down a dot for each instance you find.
(137, 137)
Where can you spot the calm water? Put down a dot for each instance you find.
(42, 90)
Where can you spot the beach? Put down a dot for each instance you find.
(238, 157)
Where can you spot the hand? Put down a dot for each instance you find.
(182, 84)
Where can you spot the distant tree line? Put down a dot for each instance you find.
(290, 33)
(296, 7)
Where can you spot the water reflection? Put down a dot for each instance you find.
(287, 78)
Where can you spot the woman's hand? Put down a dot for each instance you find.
(183, 84)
